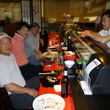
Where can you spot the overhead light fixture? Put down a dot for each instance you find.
(88, 4)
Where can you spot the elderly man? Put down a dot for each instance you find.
(104, 35)
(22, 93)
(33, 53)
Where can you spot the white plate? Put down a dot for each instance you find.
(50, 55)
(49, 102)
(52, 47)
(72, 53)
(64, 48)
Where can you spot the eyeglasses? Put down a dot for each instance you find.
(104, 20)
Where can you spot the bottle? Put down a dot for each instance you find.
(79, 70)
(64, 86)
(61, 58)
(64, 45)
(64, 42)
(69, 44)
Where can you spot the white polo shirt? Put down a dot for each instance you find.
(105, 33)
(9, 71)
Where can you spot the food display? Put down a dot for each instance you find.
(84, 52)
(49, 102)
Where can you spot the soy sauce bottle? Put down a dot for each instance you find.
(69, 44)
(61, 58)
(65, 44)
(64, 86)
(79, 70)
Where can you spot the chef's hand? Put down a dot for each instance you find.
(86, 33)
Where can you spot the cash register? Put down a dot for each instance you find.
(98, 70)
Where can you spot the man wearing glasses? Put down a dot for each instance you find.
(104, 35)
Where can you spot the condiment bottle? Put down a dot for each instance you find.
(61, 58)
(79, 70)
(64, 43)
(69, 44)
(64, 86)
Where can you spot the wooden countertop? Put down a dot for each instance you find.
(88, 102)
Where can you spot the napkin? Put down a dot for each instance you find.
(85, 88)
(57, 88)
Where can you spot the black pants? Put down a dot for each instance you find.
(29, 71)
(21, 101)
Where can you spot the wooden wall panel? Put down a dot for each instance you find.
(54, 9)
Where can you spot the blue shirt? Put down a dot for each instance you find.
(31, 43)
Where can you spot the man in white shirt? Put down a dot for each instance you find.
(22, 93)
(104, 35)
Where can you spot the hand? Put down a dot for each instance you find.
(33, 92)
(39, 56)
(42, 41)
(86, 33)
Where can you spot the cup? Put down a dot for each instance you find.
(57, 60)
(50, 43)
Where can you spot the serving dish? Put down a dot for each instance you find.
(49, 81)
(49, 102)
(50, 54)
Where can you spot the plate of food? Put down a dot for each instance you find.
(49, 81)
(49, 102)
(50, 54)
(52, 72)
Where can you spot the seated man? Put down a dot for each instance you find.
(31, 44)
(104, 35)
(28, 70)
(21, 93)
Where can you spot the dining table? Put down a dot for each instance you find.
(69, 104)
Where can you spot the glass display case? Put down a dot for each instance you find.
(83, 47)
(96, 63)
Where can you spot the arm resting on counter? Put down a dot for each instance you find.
(39, 54)
(14, 88)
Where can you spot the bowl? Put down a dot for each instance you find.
(69, 63)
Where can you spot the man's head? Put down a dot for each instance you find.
(23, 29)
(34, 28)
(106, 19)
(5, 44)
